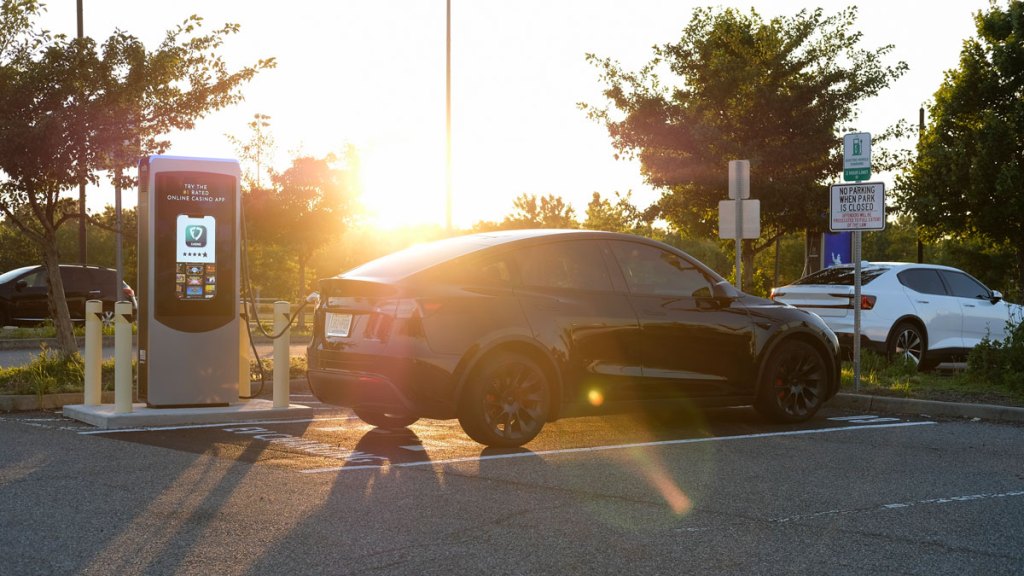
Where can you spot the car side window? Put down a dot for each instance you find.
(75, 279)
(922, 280)
(485, 273)
(36, 279)
(651, 270)
(574, 265)
(963, 286)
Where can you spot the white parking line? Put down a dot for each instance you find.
(615, 447)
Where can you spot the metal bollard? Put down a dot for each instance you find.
(122, 358)
(281, 361)
(244, 385)
(93, 353)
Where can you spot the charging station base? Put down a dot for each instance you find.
(103, 416)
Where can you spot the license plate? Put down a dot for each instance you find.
(338, 325)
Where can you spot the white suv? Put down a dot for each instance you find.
(926, 313)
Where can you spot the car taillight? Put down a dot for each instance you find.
(775, 292)
(386, 312)
(127, 291)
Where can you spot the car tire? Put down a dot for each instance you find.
(506, 401)
(385, 420)
(908, 341)
(794, 382)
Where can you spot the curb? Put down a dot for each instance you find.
(893, 405)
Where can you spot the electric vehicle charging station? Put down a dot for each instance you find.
(189, 223)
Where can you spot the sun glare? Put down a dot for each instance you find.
(402, 186)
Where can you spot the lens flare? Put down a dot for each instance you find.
(595, 397)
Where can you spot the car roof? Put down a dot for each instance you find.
(419, 257)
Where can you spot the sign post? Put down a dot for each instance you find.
(857, 207)
(739, 217)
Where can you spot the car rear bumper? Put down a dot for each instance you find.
(359, 390)
(392, 385)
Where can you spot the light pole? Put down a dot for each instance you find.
(81, 182)
(448, 116)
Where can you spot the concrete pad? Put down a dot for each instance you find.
(141, 416)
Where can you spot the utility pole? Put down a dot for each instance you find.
(82, 253)
(920, 134)
(448, 116)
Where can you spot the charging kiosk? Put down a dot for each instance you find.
(188, 212)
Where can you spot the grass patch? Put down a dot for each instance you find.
(49, 373)
(901, 378)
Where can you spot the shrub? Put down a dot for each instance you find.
(1000, 362)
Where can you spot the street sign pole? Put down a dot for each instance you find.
(739, 190)
(739, 244)
(856, 310)
(857, 167)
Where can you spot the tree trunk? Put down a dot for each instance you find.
(58, 304)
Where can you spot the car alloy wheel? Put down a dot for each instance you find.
(908, 343)
(795, 380)
(506, 402)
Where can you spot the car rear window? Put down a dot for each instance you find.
(842, 276)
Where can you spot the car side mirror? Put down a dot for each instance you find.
(723, 291)
(995, 297)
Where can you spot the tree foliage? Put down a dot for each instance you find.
(622, 216)
(308, 207)
(532, 211)
(967, 178)
(70, 109)
(735, 86)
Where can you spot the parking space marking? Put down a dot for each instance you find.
(900, 505)
(588, 449)
(869, 419)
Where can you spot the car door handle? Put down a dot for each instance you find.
(968, 305)
(922, 301)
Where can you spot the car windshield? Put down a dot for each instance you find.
(842, 276)
(12, 274)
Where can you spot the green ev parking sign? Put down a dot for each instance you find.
(856, 157)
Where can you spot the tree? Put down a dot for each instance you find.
(622, 216)
(70, 108)
(967, 178)
(257, 150)
(736, 87)
(546, 212)
(314, 200)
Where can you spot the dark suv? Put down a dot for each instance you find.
(23, 293)
(509, 330)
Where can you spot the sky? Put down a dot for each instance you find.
(372, 74)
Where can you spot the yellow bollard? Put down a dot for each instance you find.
(93, 353)
(281, 362)
(122, 358)
(244, 385)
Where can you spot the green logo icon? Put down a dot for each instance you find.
(195, 236)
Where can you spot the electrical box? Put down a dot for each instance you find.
(188, 214)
